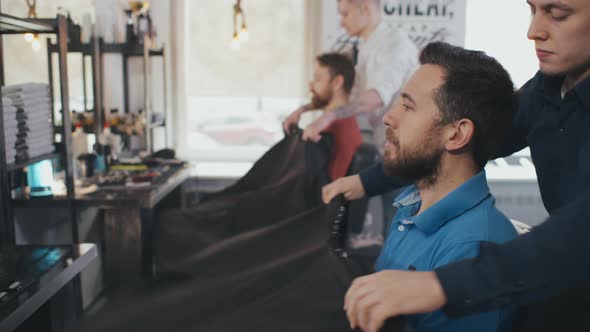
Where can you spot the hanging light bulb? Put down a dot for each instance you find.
(235, 43)
(244, 36)
(36, 43)
(29, 37)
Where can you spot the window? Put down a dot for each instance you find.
(235, 100)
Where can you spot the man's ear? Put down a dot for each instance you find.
(460, 135)
(338, 82)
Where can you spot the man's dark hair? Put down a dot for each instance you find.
(477, 88)
(339, 64)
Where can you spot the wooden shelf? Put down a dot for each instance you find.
(157, 124)
(42, 202)
(73, 48)
(46, 275)
(15, 25)
(128, 49)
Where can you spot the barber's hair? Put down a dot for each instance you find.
(339, 64)
(478, 88)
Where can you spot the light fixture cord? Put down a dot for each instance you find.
(32, 4)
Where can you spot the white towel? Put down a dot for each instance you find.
(37, 118)
(33, 128)
(10, 128)
(25, 87)
(40, 120)
(28, 94)
(6, 102)
(13, 132)
(46, 136)
(38, 153)
(32, 104)
(8, 108)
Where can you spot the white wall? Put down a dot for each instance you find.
(499, 27)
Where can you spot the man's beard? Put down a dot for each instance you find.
(318, 101)
(418, 166)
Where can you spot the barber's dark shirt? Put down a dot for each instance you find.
(557, 130)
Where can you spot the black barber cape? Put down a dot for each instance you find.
(284, 182)
(253, 257)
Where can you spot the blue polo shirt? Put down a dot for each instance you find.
(448, 231)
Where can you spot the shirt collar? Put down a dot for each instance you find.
(457, 202)
(551, 89)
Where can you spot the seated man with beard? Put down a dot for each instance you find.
(440, 134)
(330, 88)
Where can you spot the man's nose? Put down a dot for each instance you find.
(537, 29)
(390, 118)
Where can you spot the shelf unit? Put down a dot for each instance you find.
(96, 49)
(58, 26)
(129, 51)
(92, 50)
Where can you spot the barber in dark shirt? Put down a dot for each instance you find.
(554, 121)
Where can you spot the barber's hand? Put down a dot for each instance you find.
(292, 120)
(313, 130)
(373, 299)
(350, 186)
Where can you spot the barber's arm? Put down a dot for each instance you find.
(295, 116)
(367, 102)
(376, 182)
(371, 181)
(553, 256)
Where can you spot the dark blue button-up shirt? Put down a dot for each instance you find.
(557, 130)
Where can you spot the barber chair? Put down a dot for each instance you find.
(351, 219)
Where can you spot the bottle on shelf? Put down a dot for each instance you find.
(100, 165)
(79, 146)
(40, 179)
(130, 36)
(113, 141)
(114, 117)
(142, 28)
(140, 123)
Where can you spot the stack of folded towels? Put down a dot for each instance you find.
(27, 121)
(10, 129)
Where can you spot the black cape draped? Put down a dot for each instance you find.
(253, 257)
